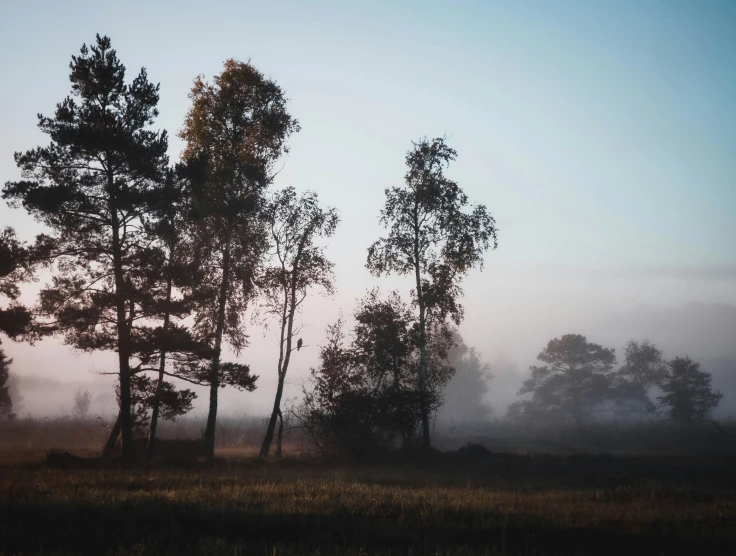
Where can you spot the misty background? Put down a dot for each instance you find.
(599, 135)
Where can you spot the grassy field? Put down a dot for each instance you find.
(444, 504)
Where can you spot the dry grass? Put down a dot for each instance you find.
(450, 505)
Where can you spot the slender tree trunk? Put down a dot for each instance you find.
(209, 434)
(266, 446)
(284, 358)
(162, 364)
(123, 332)
(280, 436)
(109, 449)
(422, 337)
(268, 439)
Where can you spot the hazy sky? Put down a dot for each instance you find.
(601, 136)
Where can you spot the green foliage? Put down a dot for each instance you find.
(687, 393)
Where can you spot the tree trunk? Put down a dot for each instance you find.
(422, 337)
(123, 333)
(109, 449)
(275, 413)
(209, 434)
(162, 365)
(280, 436)
(284, 357)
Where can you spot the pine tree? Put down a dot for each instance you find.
(92, 187)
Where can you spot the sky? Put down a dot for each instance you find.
(600, 135)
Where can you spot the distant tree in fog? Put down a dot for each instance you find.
(575, 380)
(6, 404)
(435, 236)
(644, 367)
(687, 393)
(82, 401)
(463, 396)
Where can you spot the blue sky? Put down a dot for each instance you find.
(601, 135)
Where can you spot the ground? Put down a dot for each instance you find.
(445, 504)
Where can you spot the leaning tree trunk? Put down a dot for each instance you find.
(284, 357)
(109, 449)
(280, 436)
(209, 434)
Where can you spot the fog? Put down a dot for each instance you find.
(47, 374)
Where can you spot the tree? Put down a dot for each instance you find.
(687, 393)
(365, 396)
(82, 401)
(574, 381)
(437, 237)
(91, 186)
(170, 227)
(463, 396)
(295, 222)
(643, 368)
(6, 403)
(16, 263)
(144, 394)
(235, 131)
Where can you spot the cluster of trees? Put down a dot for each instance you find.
(159, 263)
(579, 379)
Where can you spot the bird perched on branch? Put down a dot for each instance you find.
(299, 344)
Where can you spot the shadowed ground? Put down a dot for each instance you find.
(444, 504)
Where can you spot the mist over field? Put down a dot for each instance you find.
(48, 378)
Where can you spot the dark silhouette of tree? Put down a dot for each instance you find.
(366, 396)
(297, 264)
(434, 236)
(16, 262)
(687, 393)
(145, 392)
(91, 187)
(15, 320)
(177, 266)
(643, 368)
(575, 380)
(235, 131)
(6, 403)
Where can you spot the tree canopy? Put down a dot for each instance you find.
(435, 236)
